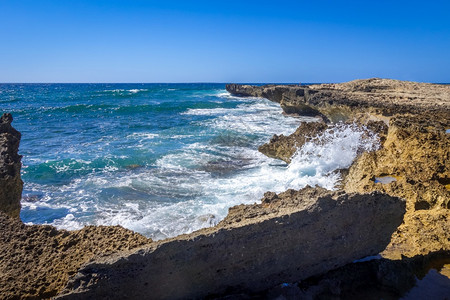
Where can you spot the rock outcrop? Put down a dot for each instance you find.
(290, 236)
(11, 184)
(416, 155)
(343, 101)
(36, 261)
(412, 120)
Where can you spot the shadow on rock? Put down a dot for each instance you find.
(419, 277)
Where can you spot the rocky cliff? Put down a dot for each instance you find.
(415, 161)
(412, 120)
(343, 101)
(289, 237)
(11, 184)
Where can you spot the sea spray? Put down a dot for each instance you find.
(161, 159)
(335, 149)
(316, 163)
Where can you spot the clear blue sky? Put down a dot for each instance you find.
(223, 41)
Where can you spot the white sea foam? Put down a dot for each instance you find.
(131, 91)
(207, 111)
(69, 222)
(146, 135)
(134, 91)
(313, 164)
(186, 189)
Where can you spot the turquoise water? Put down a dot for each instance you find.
(161, 159)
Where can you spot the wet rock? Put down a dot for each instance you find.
(284, 147)
(377, 279)
(301, 233)
(11, 184)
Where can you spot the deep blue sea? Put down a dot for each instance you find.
(160, 159)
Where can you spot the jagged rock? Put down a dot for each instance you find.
(37, 260)
(298, 234)
(284, 147)
(11, 184)
(416, 153)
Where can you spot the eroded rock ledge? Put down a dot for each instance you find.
(412, 120)
(288, 237)
(37, 260)
(11, 184)
(343, 101)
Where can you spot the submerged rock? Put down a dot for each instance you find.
(295, 235)
(11, 184)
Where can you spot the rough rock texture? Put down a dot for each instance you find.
(36, 261)
(417, 154)
(10, 163)
(411, 119)
(288, 237)
(343, 101)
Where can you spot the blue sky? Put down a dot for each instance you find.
(223, 41)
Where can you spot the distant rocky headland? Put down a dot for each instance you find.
(394, 201)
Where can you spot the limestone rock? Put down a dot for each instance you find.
(11, 184)
(412, 120)
(416, 153)
(344, 101)
(37, 260)
(296, 235)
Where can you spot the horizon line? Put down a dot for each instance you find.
(215, 82)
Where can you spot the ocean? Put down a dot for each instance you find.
(160, 159)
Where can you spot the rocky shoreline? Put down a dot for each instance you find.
(394, 201)
(411, 120)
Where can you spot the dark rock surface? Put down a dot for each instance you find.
(419, 277)
(11, 184)
(291, 236)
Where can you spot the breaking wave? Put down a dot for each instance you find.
(172, 171)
